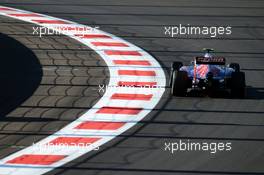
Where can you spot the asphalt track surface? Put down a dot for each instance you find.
(62, 78)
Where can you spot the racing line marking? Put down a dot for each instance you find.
(119, 109)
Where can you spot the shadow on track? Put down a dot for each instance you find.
(20, 74)
(255, 93)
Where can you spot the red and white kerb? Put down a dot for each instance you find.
(119, 109)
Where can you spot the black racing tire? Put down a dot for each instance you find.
(238, 85)
(179, 83)
(176, 65)
(235, 66)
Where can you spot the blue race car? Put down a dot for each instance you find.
(207, 74)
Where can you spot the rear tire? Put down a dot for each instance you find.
(238, 85)
(176, 65)
(235, 66)
(179, 83)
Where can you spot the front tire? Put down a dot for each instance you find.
(179, 83)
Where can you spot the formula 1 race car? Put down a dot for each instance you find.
(207, 74)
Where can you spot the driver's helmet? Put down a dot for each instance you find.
(208, 55)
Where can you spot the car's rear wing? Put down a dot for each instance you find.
(210, 60)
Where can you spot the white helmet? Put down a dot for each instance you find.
(208, 52)
(208, 55)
